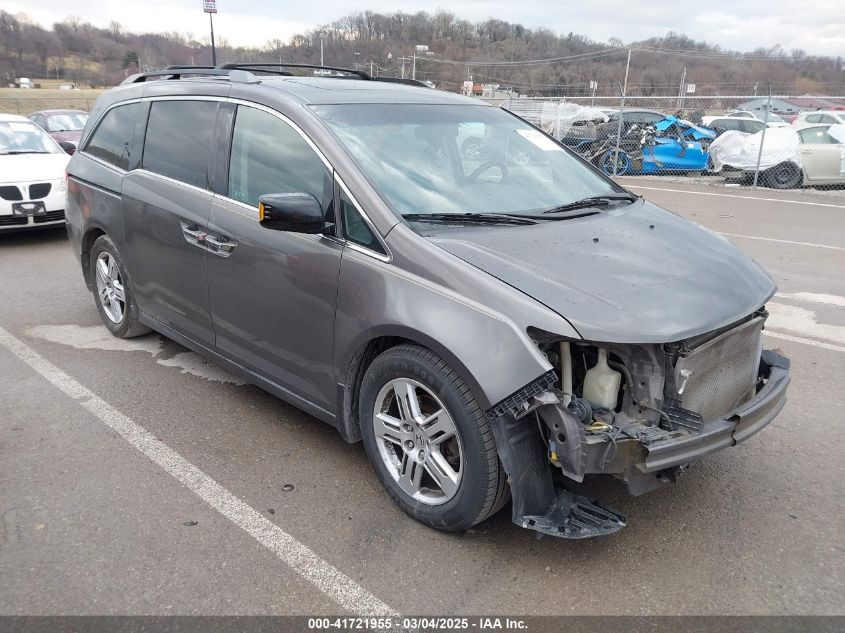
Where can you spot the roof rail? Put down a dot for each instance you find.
(402, 80)
(236, 71)
(175, 72)
(265, 66)
(259, 66)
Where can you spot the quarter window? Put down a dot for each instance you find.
(113, 137)
(178, 141)
(269, 156)
(355, 228)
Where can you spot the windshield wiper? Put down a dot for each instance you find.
(593, 201)
(16, 152)
(469, 218)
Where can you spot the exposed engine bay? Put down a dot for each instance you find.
(641, 413)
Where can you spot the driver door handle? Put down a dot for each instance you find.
(220, 245)
(193, 234)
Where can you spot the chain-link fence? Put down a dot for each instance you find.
(778, 142)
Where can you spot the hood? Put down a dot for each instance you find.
(32, 167)
(69, 136)
(617, 279)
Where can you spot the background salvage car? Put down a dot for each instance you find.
(63, 125)
(790, 156)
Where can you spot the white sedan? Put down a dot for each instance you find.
(824, 117)
(791, 157)
(823, 154)
(32, 175)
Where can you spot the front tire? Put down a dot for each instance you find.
(113, 292)
(429, 441)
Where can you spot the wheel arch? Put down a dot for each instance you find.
(92, 233)
(365, 348)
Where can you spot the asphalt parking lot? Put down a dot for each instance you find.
(136, 478)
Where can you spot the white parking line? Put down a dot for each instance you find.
(327, 578)
(771, 239)
(813, 297)
(733, 195)
(804, 341)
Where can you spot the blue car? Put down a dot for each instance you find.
(671, 144)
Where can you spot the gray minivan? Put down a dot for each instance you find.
(491, 325)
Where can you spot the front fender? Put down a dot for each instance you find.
(493, 355)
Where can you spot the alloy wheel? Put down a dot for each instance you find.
(418, 441)
(110, 287)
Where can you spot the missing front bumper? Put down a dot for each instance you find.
(646, 461)
(654, 457)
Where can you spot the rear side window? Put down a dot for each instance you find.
(113, 137)
(269, 156)
(178, 140)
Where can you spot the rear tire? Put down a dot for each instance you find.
(113, 292)
(396, 432)
(785, 175)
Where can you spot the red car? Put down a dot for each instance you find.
(63, 125)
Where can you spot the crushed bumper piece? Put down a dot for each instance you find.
(575, 517)
(537, 503)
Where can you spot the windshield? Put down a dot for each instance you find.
(24, 137)
(67, 122)
(460, 159)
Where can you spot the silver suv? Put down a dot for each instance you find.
(491, 324)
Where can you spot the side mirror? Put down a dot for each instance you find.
(69, 148)
(294, 212)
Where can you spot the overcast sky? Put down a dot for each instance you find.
(817, 26)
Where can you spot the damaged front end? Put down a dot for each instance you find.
(641, 413)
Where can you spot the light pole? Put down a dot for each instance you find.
(322, 37)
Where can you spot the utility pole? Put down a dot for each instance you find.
(414, 71)
(322, 37)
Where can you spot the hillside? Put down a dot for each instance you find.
(77, 52)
